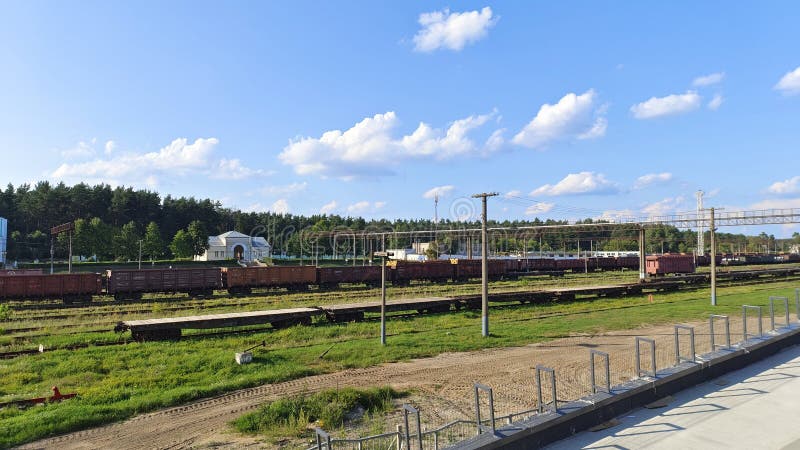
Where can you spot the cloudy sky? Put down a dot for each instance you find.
(568, 109)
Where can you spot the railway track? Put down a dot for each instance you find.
(251, 329)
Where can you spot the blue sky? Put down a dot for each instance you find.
(568, 109)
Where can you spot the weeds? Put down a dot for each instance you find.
(290, 417)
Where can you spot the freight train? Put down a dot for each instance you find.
(131, 284)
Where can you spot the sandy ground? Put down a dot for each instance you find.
(443, 387)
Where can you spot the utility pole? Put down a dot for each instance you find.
(383, 256)
(69, 263)
(484, 264)
(642, 255)
(52, 251)
(713, 262)
(140, 254)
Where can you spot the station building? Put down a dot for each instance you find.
(235, 245)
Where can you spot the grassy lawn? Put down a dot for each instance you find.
(117, 382)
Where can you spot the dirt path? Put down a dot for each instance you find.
(443, 387)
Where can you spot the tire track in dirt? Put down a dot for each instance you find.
(446, 379)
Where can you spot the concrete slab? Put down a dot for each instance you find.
(754, 407)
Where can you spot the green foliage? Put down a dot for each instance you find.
(291, 416)
(182, 245)
(126, 242)
(5, 312)
(153, 245)
(197, 232)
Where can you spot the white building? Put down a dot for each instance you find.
(235, 245)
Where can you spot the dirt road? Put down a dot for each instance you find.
(443, 386)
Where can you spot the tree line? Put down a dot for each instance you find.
(115, 223)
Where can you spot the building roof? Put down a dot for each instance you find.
(232, 234)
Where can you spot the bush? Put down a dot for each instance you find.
(291, 416)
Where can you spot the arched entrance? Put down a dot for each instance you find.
(238, 252)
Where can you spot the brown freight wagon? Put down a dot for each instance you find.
(405, 271)
(242, 280)
(331, 277)
(72, 287)
(628, 262)
(535, 264)
(130, 284)
(472, 268)
(573, 264)
(664, 264)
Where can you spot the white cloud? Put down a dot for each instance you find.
(778, 203)
(369, 148)
(652, 178)
(328, 207)
(666, 106)
(512, 194)
(232, 169)
(574, 116)
(440, 191)
(110, 146)
(284, 190)
(790, 186)
(708, 80)
(539, 208)
(365, 207)
(578, 183)
(664, 207)
(618, 215)
(446, 30)
(177, 158)
(789, 83)
(280, 206)
(715, 102)
(82, 149)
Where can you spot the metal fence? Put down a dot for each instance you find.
(605, 369)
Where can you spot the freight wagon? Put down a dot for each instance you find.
(332, 277)
(664, 264)
(242, 280)
(472, 268)
(130, 284)
(404, 271)
(76, 287)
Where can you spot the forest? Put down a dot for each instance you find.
(114, 223)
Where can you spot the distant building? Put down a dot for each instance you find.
(3, 240)
(235, 245)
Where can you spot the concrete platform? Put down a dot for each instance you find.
(751, 408)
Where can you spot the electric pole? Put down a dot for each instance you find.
(484, 264)
(701, 246)
(713, 262)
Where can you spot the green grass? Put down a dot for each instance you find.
(117, 382)
(290, 417)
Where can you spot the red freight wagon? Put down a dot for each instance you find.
(332, 276)
(664, 264)
(68, 287)
(131, 283)
(241, 280)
